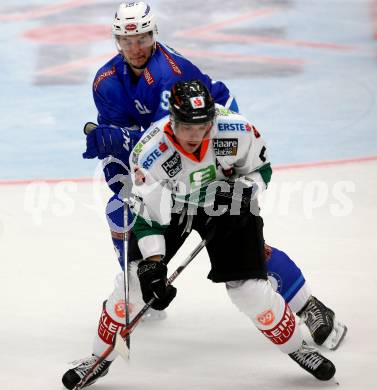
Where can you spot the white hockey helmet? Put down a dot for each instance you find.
(134, 18)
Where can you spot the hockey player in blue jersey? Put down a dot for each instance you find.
(131, 91)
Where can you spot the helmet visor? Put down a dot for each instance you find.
(130, 42)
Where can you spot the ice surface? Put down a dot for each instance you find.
(57, 270)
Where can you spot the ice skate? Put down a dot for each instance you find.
(322, 324)
(313, 362)
(73, 376)
(336, 336)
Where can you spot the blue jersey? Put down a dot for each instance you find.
(124, 100)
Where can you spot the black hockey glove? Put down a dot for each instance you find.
(237, 199)
(153, 277)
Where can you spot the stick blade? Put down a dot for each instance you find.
(120, 345)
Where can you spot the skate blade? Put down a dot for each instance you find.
(336, 336)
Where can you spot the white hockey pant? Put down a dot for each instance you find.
(268, 311)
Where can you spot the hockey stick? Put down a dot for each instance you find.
(120, 337)
(88, 128)
(126, 277)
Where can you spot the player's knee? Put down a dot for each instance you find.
(250, 296)
(256, 299)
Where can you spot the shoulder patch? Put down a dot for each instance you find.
(176, 69)
(103, 76)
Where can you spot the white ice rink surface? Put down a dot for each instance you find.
(58, 267)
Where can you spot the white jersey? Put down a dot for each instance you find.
(163, 173)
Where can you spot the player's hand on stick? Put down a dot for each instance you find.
(105, 140)
(153, 279)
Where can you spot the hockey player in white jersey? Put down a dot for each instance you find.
(201, 169)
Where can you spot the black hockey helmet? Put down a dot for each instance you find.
(191, 102)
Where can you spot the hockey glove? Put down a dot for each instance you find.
(153, 278)
(237, 199)
(106, 140)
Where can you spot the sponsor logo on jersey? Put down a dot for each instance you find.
(139, 146)
(202, 176)
(225, 147)
(234, 127)
(148, 76)
(197, 102)
(171, 62)
(173, 165)
(103, 76)
(154, 155)
(130, 27)
(283, 331)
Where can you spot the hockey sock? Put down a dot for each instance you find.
(107, 329)
(118, 242)
(268, 311)
(115, 219)
(286, 278)
(114, 311)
